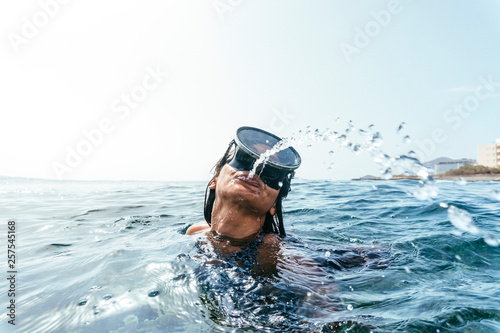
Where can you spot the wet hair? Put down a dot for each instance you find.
(272, 224)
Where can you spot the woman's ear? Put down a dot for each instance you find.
(272, 211)
(212, 184)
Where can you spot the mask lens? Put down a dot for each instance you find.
(269, 175)
(273, 177)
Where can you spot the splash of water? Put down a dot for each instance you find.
(426, 192)
(491, 240)
(462, 220)
(404, 164)
(407, 164)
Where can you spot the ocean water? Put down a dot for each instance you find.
(360, 256)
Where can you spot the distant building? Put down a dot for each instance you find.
(489, 155)
(432, 164)
(442, 167)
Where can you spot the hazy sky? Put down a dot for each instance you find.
(155, 90)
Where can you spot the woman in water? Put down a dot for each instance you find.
(244, 225)
(242, 206)
(243, 209)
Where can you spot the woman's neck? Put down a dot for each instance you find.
(235, 221)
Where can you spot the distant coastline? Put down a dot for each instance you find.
(470, 173)
(468, 178)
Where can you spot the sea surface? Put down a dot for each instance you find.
(360, 256)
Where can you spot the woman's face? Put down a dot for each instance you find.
(234, 185)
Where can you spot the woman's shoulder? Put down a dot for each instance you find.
(272, 239)
(197, 227)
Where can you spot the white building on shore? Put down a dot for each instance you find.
(444, 166)
(489, 155)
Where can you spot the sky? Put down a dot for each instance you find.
(155, 90)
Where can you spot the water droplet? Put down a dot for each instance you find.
(82, 302)
(426, 192)
(280, 184)
(387, 173)
(401, 127)
(350, 127)
(337, 120)
(371, 127)
(108, 296)
(443, 204)
(350, 307)
(309, 146)
(327, 254)
(331, 152)
(406, 139)
(331, 166)
(362, 131)
(461, 181)
(411, 153)
(407, 269)
(325, 136)
(179, 277)
(423, 174)
(130, 319)
(357, 149)
(462, 220)
(153, 293)
(375, 140)
(458, 257)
